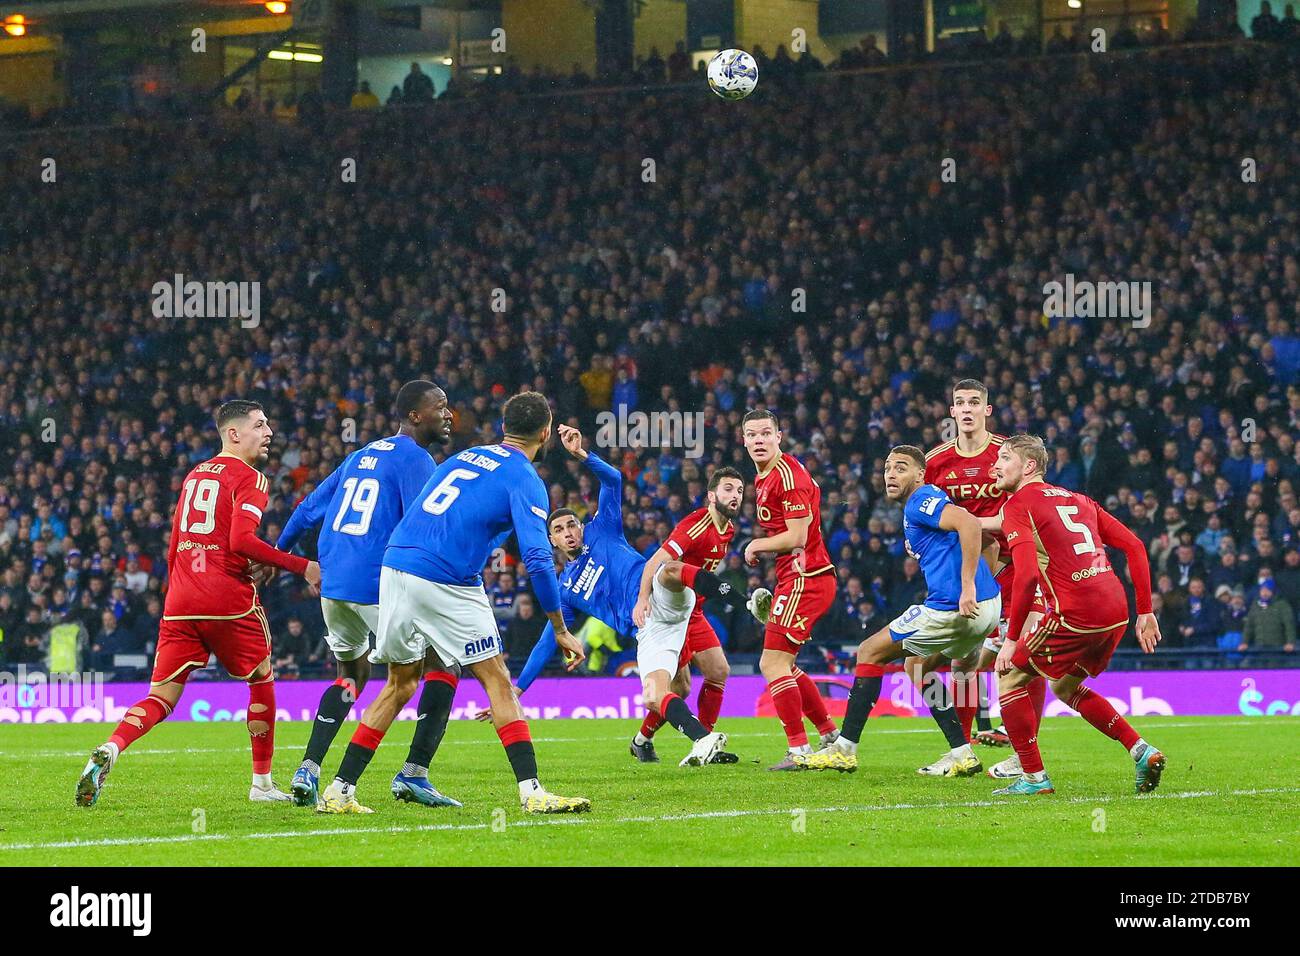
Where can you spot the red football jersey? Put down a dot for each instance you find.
(1076, 577)
(967, 478)
(206, 578)
(788, 491)
(698, 540)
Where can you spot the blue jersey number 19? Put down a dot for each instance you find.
(360, 496)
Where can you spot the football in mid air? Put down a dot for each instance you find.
(733, 74)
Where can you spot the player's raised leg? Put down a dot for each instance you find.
(140, 718)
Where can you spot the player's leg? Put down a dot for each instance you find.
(777, 667)
(841, 753)
(411, 783)
(1022, 726)
(179, 652)
(675, 576)
(810, 598)
(659, 646)
(642, 746)
(965, 692)
(1098, 711)
(715, 670)
(348, 630)
(260, 721)
(925, 631)
(512, 729)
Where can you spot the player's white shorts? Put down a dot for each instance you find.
(349, 627)
(416, 614)
(926, 630)
(659, 644)
(993, 643)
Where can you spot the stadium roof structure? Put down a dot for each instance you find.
(212, 9)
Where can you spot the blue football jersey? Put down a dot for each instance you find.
(467, 508)
(604, 580)
(358, 506)
(939, 551)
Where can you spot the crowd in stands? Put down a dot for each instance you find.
(823, 268)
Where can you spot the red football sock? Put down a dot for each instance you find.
(651, 723)
(966, 697)
(688, 573)
(261, 723)
(139, 720)
(814, 708)
(1038, 696)
(785, 696)
(869, 670)
(1022, 728)
(710, 703)
(1097, 710)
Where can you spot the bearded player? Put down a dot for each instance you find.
(789, 510)
(213, 559)
(701, 539)
(1058, 541)
(963, 468)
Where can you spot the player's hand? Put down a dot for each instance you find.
(574, 652)
(641, 611)
(312, 576)
(967, 606)
(1003, 664)
(1148, 629)
(797, 553)
(572, 441)
(262, 574)
(752, 553)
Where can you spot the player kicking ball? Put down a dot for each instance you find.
(1058, 541)
(214, 559)
(363, 499)
(431, 597)
(962, 605)
(602, 578)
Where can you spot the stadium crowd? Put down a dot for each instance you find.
(822, 266)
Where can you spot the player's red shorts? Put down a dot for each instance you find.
(700, 636)
(1056, 653)
(240, 644)
(796, 607)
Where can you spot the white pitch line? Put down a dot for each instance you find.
(42, 754)
(589, 820)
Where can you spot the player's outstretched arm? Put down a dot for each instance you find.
(1115, 535)
(309, 513)
(969, 533)
(541, 653)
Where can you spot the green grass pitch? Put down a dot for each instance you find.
(1229, 797)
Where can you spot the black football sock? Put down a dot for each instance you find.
(330, 714)
(708, 585)
(432, 714)
(982, 721)
(676, 712)
(935, 694)
(863, 697)
(355, 761)
(519, 749)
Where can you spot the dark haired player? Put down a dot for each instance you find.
(962, 603)
(602, 576)
(358, 506)
(212, 606)
(789, 511)
(431, 596)
(701, 539)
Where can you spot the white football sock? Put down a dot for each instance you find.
(530, 788)
(640, 739)
(262, 781)
(1136, 750)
